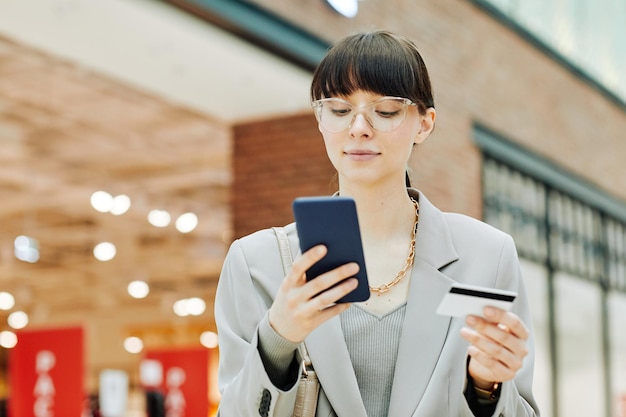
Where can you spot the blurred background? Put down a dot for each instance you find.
(139, 138)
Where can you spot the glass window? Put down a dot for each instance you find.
(536, 280)
(503, 5)
(591, 37)
(566, 239)
(617, 325)
(615, 233)
(578, 307)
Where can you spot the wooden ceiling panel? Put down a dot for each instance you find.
(66, 132)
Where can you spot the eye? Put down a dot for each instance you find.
(340, 112)
(388, 109)
(387, 114)
(338, 108)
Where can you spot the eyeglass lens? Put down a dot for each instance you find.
(384, 115)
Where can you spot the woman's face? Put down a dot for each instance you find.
(364, 155)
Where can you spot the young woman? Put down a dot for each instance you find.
(391, 355)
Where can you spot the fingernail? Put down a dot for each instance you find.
(471, 320)
(489, 312)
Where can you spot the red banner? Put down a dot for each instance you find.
(46, 373)
(185, 382)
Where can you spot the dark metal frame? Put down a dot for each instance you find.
(260, 27)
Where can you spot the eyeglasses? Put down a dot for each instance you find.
(384, 115)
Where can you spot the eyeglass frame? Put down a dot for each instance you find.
(316, 104)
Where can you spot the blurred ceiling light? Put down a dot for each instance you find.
(346, 8)
(180, 308)
(196, 306)
(133, 344)
(7, 301)
(186, 222)
(189, 307)
(26, 249)
(8, 339)
(208, 339)
(159, 218)
(18, 319)
(120, 204)
(101, 201)
(151, 373)
(104, 251)
(138, 289)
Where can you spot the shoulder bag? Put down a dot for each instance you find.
(308, 384)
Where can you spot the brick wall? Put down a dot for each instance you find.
(276, 161)
(482, 72)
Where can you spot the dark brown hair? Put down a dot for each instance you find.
(379, 62)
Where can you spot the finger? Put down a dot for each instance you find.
(489, 346)
(512, 322)
(302, 315)
(330, 296)
(303, 262)
(495, 351)
(328, 279)
(484, 366)
(330, 312)
(499, 334)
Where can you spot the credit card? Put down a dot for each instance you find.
(464, 299)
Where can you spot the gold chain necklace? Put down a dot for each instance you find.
(409, 260)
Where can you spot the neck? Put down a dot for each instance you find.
(383, 212)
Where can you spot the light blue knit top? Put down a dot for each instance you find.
(373, 346)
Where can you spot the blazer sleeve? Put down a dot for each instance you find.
(243, 382)
(516, 397)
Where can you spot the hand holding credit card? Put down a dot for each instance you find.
(464, 299)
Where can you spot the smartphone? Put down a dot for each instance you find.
(333, 222)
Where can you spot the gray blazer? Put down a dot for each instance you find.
(431, 366)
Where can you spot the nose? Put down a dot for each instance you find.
(360, 126)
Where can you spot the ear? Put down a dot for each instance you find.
(427, 125)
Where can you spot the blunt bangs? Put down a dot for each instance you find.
(378, 62)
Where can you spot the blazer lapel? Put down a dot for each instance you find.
(423, 336)
(329, 353)
(424, 332)
(331, 360)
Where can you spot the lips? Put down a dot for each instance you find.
(361, 154)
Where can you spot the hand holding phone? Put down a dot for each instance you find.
(333, 222)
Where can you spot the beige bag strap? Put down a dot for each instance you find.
(285, 249)
(287, 259)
